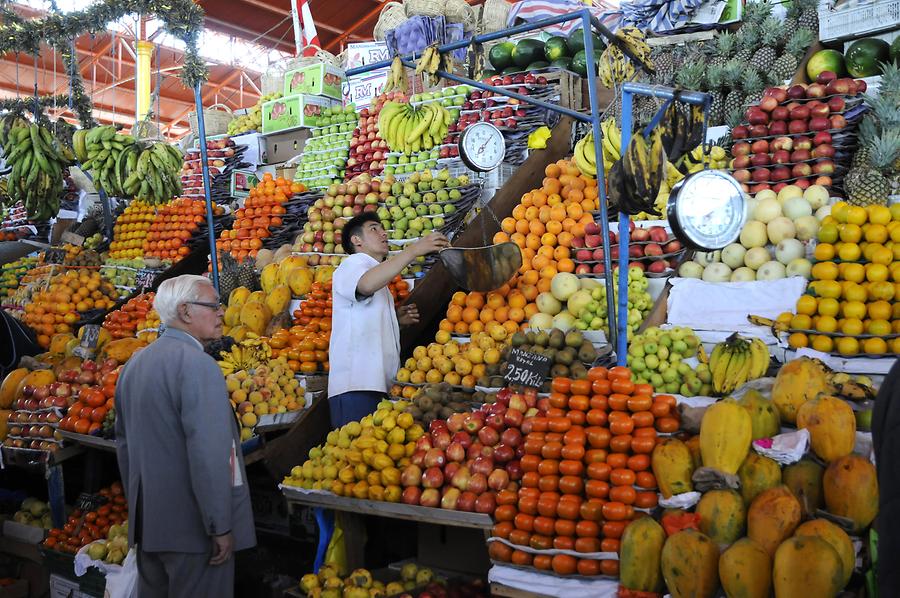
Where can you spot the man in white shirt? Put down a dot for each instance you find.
(365, 337)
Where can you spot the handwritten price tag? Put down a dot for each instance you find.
(55, 255)
(527, 369)
(145, 277)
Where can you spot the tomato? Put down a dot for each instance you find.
(580, 402)
(620, 427)
(643, 419)
(639, 463)
(560, 424)
(622, 477)
(623, 494)
(533, 446)
(569, 509)
(531, 479)
(599, 471)
(587, 529)
(620, 444)
(549, 483)
(600, 402)
(598, 437)
(520, 557)
(644, 389)
(499, 551)
(554, 412)
(667, 425)
(601, 387)
(614, 529)
(559, 400)
(577, 418)
(529, 493)
(587, 544)
(609, 545)
(547, 507)
(502, 529)
(571, 467)
(573, 452)
(667, 399)
(530, 462)
(548, 467)
(505, 513)
(613, 511)
(524, 521)
(543, 525)
(597, 373)
(621, 386)
(564, 527)
(645, 433)
(660, 409)
(640, 403)
(580, 387)
(561, 385)
(590, 509)
(596, 417)
(576, 436)
(553, 437)
(619, 373)
(595, 455)
(570, 485)
(564, 543)
(588, 567)
(506, 497)
(551, 450)
(528, 505)
(596, 489)
(564, 564)
(643, 445)
(541, 542)
(519, 537)
(539, 423)
(542, 562)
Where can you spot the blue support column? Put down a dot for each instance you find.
(201, 131)
(624, 219)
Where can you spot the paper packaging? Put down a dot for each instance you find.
(292, 112)
(363, 89)
(281, 147)
(361, 54)
(316, 79)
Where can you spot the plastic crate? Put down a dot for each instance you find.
(861, 19)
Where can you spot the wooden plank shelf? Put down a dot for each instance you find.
(104, 444)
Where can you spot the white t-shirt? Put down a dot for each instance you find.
(364, 353)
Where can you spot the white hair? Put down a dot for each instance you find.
(175, 291)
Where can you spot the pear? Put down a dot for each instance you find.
(566, 356)
(542, 339)
(574, 339)
(557, 338)
(559, 371)
(529, 338)
(518, 339)
(587, 353)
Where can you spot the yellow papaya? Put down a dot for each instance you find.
(640, 553)
(232, 315)
(10, 386)
(758, 473)
(693, 445)
(773, 516)
(839, 540)
(831, 424)
(798, 381)
(268, 278)
(745, 570)
(238, 296)
(59, 342)
(300, 280)
(255, 316)
(723, 516)
(725, 435)
(804, 478)
(764, 416)
(850, 487)
(690, 565)
(672, 466)
(122, 349)
(278, 299)
(806, 566)
(4, 423)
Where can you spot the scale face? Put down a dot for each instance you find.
(707, 210)
(482, 147)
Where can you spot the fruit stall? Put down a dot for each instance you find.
(655, 388)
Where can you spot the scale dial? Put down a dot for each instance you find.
(707, 210)
(482, 147)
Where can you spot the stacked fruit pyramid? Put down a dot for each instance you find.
(852, 306)
(177, 223)
(325, 155)
(131, 229)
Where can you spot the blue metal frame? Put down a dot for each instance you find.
(207, 193)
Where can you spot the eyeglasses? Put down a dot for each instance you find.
(213, 306)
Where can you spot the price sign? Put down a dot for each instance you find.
(145, 277)
(90, 336)
(90, 502)
(55, 255)
(527, 369)
(72, 238)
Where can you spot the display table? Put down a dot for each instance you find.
(104, 444)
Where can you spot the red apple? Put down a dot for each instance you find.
(819, 109)
(477, 483)
(782, 143)
(435, 458)
(800, 155)
(781, 156)
(816, 90)
(800, 113)
(430, 497)
(740, 132)
(485, 503)
(433, 477)
(798, 126)
(803, 143)
(796, 92)
(768, 103)
(838, 121)
(742, 175)
(826, 77)
(801, 170)
(756, 116)
(741, 162)
(640, 235)
(825, 181)
(823, 151)
(759, 130)
(761, 175)
(780, 113)
(411, 495)
(823, 167)
(861, 86)
(802, 183)
(781, 173)
(778, 127)
(498, 480)
(760, 146)
(822, 138)
(742, 148)
(411, 475)
(760, 160)
(466, 502)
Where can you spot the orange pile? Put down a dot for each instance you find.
(86, 415)
(399, 289)
(174, 226)
(131, 229)
(586, 472)
(124, 322)
(56, 308)
(262, 210)
(508, 306)
(305, 344)
(83, 528)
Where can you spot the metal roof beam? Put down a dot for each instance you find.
(212, 90)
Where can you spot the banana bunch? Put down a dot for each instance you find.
(245, 355)
(682, 129)
(736, 361)
(37, 162)
(157, 174)
(673, 175)
(410, 129)
(430, 62)
(396, 78)
(611, 146)
(715, 158)
(585, 156)
(615, 67)
(639, 175)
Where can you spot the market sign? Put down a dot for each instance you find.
(526, 368)
(362, 90)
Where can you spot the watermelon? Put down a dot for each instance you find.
(536, 66)
(487, 74)
(895, 50)
(501, 55)
(825, 60)
(556, 47)
(562, 63)
(528, 51)
(863, 56)
(579, 61)
(576, 42)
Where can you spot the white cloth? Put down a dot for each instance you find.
(365, 334)
(121, 580)
(548, 584)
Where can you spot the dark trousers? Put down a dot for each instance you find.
(183, 575)
(352, 406)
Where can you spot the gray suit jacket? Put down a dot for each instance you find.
(176, 434)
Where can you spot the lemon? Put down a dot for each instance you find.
(828, 307)
(826, 324)
(822, 343)
(807, 305)
(875, 346)
(849, 252)
(857, 215)
(850, 233)
(801, 322)
(852, 326)
(879, 214)
(840, 211)
(847, 345)
(824, 252)
(798, 340)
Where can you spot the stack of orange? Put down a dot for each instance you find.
(83, 528)
(546, 221)
(175, 224)
(86, 415)
(125, 322)
(55, 309)
(399, 289)
(305, 344)
(586, 472)
(262, 210)
(131, 229)
(510, 306)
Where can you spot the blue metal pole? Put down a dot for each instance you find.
(201, 131)
(622, 344)
(601, 176)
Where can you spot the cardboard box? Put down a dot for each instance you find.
(286, 173)
(28, 534)
(316, 79)
(293, 112)
(361, 54)
(256, 147)
(284, 146)
(242, 181)
(363, 89)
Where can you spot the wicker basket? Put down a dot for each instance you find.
(215, 121)
(493, 16)
(392, 16)
(425, 8)
(459, 11)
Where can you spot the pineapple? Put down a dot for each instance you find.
(756, 12)
(769, 37)
(715, 79)
(726, 44)
(746, 43)
(753, 88)
(867, 131)
(246, 275)
(228, 277)
(870, 184)
(734, 73)
(664, 63)
(809, 15)
(786, 64)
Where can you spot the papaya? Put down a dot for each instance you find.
(806, 566)
(232, 315)
(122, 349)
(745, 570)
(10, 385)
(690, 565)
(725, 435)
(831, 424)
(59, 342)
(279, 299)
(672, 466)
(300, 280)
(268, 278)
(758, 473)
(255, 316)
(693, 444)
(639, 555)
(238, 332)
(723, 516)
(4, 423)
(804, 478)
(238, 297)
(323, 274)
(764, 416)
(773, 516)
(35, 378)
(850, 486)
(288, 265)
(797, 382)
(258, 296)
(839, 540)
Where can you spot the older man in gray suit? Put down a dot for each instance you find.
(179, 452)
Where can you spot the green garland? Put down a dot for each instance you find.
(181, 18)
